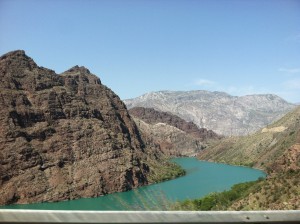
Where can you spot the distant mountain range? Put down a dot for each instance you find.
(217, 111)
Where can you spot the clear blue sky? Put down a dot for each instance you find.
(135, 46)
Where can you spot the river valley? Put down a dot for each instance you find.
(201, 179)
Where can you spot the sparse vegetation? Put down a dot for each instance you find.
(279, 192)
(276, 149)
(220, 200)
(164, 172)
(260, 149)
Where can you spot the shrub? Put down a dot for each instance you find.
(218, 201)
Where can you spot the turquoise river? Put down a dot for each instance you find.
(201, 179)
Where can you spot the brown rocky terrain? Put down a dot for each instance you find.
(173, 135)
(66, 136)
(152, 116)
(170, 140)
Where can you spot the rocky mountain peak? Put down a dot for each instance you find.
(65, 136)
(16, 60)
(78, 69)
(80, 75)
(19, 72)
(14, 54)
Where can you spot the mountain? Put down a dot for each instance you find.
(260, 149)
(175, 136)
(275, 149)
(224, 114)
(67, 136)
(152, 116)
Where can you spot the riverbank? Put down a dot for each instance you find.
(202, 178)
(238, 165)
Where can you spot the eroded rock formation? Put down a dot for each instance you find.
(175, 136)
(64, 136)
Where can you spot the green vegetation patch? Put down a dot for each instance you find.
(219, 201)
(165, 171)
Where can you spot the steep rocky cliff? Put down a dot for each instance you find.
(173, 135)
(66, 136)
(224, 114)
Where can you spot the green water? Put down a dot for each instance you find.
(201, 179)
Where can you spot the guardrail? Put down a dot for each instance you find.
(155, 217)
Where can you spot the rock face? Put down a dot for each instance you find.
(224, 114)
(152, 116)
(64, 136)
(173, 135)
(169, 139)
